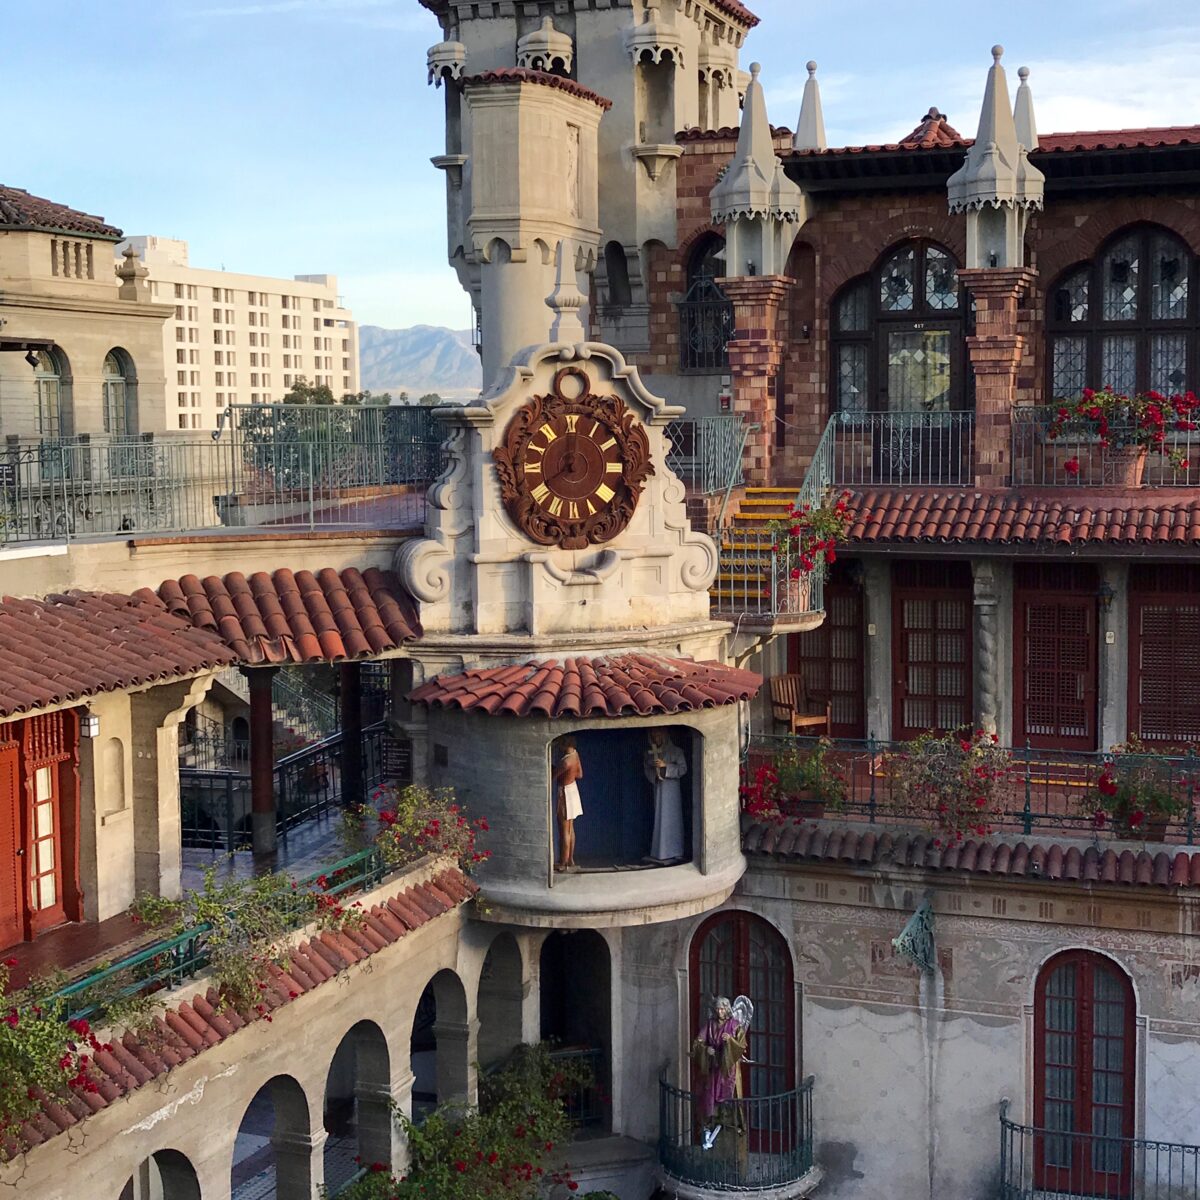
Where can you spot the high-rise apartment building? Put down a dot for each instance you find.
(244, 339)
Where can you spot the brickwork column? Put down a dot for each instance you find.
(755, 356)
(995, 352)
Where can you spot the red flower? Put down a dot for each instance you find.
(460, 1165)
(1106, 785)
(1136, 818)
(1071, 466)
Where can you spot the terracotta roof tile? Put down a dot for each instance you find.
(191, 1028)
(813, 842)
(67, 647)
(300, 616)
(624, 684)
(934, 130)
(20, 210)
(542, 78)
(961, 516)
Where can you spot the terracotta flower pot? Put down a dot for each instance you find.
(1127, 465)
(792, 595)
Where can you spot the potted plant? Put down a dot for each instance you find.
(1128, 428)
(953, 782)
(810, 781)
(1137, 793)
(806, 537)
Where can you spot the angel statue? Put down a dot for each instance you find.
(716, 1075)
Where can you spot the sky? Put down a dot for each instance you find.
(288, 137)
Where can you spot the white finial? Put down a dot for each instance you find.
(1023, 73)
(810, 128)
(1023, 113)
(566, 301)
(997, 53)
(755, 70)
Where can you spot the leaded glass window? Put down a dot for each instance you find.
(1126, 320)
(896, 282)
(852, 377)
(853, 309)
(941, 280)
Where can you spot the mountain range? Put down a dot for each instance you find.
(424, 358)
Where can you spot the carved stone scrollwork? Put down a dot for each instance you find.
(424, 568)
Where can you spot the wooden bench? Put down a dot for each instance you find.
(791, 704)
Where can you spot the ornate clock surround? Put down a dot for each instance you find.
(572, 464)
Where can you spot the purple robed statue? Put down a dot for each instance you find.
(716, 1057)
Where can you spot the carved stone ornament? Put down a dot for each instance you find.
(572, 465)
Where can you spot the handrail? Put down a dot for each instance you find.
(738, 474)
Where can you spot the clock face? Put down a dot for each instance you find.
(572, 465)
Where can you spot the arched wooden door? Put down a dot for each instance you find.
(736, 953)
(1084, 1076)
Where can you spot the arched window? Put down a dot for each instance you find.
(898, 335)
(120, 384)
(734, 954)
(1127, 320)
(705, 315)
(1084, 1075)
(48, 386)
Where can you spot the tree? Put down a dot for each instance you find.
(303, 392)
(430, 398)
(369, 398)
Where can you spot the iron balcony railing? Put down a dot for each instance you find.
(706, 452)
(896, 449)
(760, 578)
(1048, 1164)
(173, 960)
(216, 804)
(765, 1142)
(1044, 790)
(1076, 458)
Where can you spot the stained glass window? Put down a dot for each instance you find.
(1119, 278)
(1168, 279)
(896, 282)
(1071, 297)
(941, 280)
(852, 377)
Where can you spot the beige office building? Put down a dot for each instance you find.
(243, 339)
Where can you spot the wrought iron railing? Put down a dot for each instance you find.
(584, 1103)
(173, 960)
(705, 327)
(897, 449)
(216, 804)
(1048, 1164)
(765, 1142)
(1045, 790)
(1076, 457)
(299, 704)
(760, 578)
(706, 452)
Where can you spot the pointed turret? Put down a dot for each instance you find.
(810, 128)
(1023, 113)
(996, 186)
(759, 205)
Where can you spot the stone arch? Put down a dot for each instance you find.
(859, 258)
(357, 1104)
(689, 244)
(616, 270)
(165, 1175)
(53, 409)
(274, 1139)
(440, 1049)
(501, 990)
(120, 389)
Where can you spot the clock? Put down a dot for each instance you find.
(572, 465)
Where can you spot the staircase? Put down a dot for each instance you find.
(746, 549)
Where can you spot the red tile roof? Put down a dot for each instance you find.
(739, 12)
(874, 848)
(544, 78)
(958, 517)
(301, 617)
(623, 685)
(20, 210)
(726, 134)
(65, 648)
(191, 1027)
(934, 130)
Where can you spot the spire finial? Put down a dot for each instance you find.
(755, 70)
(1023, 73)
(811, 66)
(810, 128)
(1023, 113)
(997, 53)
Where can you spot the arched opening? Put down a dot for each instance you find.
(705, 313)
(616, 269)
(165, 1175)
(500, 991)
(119, 393)
(357, 1109)
(273, 1151)
(1127, 320)
(439, 1049)
(576, 1005)
(1085, 1076)
(52, 394)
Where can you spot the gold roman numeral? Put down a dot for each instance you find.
(549, 432)
(612, 469)
(610, 443)
(605, 493)
(541, 493)
(533, 468)
(572, 421)
(555, 507)
(572, 511)
(591, 508)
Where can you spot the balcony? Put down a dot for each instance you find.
(1075, 458)
(706, 453)
(1044, 1164)
(896, 449)
(760, 584)
(766, 1146)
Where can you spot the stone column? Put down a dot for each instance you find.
(350, 693)
(299, 1163)
(402, 1090)
(877, 617)
(262, 759)
(457, 1049)
(987, 647)
(1113, 632)
(154, 723)
(755, 356)
(995, 352)
(379, 1136)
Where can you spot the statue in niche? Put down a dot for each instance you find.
(568, 806)
(665, 765)
(717, 1054)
